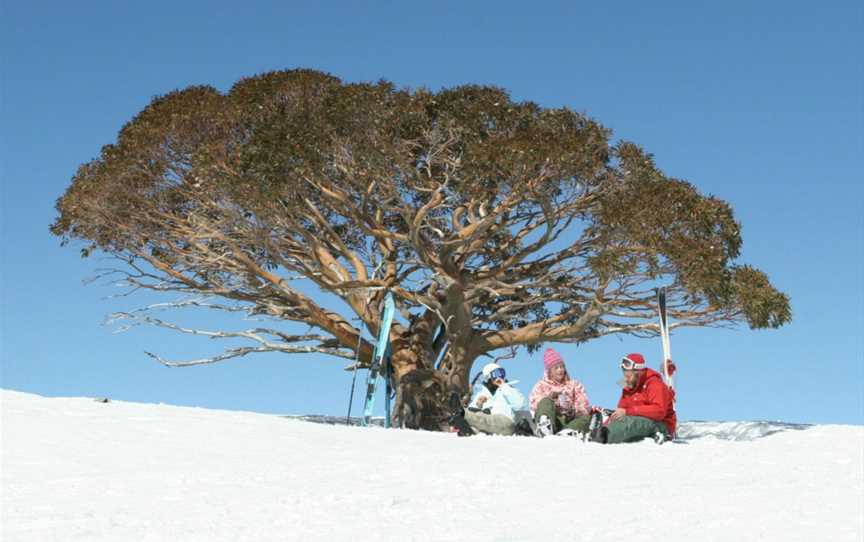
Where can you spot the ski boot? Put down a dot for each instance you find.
(460, 424)
(544, 427)
(597, 432)
(457, 417)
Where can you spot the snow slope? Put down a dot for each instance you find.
(74, 469)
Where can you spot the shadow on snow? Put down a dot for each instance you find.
(687, 431)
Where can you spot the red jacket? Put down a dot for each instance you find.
(652, 399)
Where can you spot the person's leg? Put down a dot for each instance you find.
(501, 425)
(524, 424)
(632, 429)
(476, 419)
(579, 424)
(493, 424)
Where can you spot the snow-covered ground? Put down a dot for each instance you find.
(75, 469)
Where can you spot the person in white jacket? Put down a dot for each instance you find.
(497, 404)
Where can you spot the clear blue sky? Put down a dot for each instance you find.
(758, 103)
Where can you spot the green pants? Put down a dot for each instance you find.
(546, 406)
(633, 429)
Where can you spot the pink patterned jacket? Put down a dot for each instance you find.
(572, 401)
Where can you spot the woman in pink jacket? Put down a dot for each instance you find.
(557, 401)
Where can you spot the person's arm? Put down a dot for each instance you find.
(513, 396)
(581, 405)
(534, 397)
(655, 406)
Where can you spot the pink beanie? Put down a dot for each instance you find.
(551, 358)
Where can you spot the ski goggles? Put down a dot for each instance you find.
(496, 374)
(628, 364)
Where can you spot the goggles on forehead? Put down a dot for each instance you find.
(496, 374)
(628, 364)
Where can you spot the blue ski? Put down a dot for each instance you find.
(382, 350)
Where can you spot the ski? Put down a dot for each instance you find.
(664, 337)
(382, 349)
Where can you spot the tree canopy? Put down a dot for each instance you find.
(502, 223)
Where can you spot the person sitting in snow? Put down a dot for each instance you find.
(646, 408)
(558, 402)
(496, 406)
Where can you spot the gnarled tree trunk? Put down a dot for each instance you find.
(427, 396)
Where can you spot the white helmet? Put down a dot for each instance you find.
(493, 370)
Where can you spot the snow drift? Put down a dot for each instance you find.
(75, 469)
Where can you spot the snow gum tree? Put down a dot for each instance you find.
(494, 224)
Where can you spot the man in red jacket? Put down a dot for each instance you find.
(646, 408)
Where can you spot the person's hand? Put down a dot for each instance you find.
(480, 400)
(618, 414)
(670, 367)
